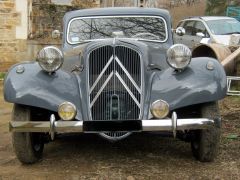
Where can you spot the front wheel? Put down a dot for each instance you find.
(28, 146)
(205, 143)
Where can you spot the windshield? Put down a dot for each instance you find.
(224, 26)
(138, 27)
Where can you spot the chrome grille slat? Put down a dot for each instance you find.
(101, 74)
(128, 90)
(115, 71)
(101, 89)
(128, 75)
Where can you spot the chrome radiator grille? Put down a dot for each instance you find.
(115, 83)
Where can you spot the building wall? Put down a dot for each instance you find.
(22, 27)
(13, 31)
(45, 18)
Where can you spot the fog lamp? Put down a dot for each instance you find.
(159, 109)
(67, 111)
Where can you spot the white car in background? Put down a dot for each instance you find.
(208, 29)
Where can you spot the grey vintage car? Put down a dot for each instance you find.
(117, 73)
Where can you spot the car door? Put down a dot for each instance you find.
(199, 29)
(186, 39)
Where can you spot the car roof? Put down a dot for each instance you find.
(117, 11)
(209, 18)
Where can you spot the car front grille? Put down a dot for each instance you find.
(115, 83)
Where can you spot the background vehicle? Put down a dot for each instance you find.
(209, 29)
(211, 36)
(118, 73)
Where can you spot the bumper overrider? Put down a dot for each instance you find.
(53, 126)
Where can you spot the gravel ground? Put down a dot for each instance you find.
(141, 156)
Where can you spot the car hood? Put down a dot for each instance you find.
(228, 40)
(153, 53)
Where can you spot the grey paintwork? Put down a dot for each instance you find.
(196, 84)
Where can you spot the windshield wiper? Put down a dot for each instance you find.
(231, 33)
(83, 42)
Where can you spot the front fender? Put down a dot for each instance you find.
(37, 88)
(196, 84)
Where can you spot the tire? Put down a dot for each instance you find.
(27, 146)
(205, 143)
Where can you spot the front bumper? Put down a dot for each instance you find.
(54, 126)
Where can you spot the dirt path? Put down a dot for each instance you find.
(138, 157)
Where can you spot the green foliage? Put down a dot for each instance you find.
(234, 99)
(2, 75)
(219, 7)
(216, 7)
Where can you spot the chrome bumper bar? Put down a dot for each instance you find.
(54, 126)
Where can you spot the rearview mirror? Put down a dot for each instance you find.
(56, 34)
(180, 31)
(200, 34)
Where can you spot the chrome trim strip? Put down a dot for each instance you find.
(68, 126)
(174, 124)
(101, 89)
(115, 137)
(182, 124)
(77, 126)
(165, 23)
(44, 126)
(128, 75)
(101, 74)
(127, 88)
(30, 126)
(52, 126)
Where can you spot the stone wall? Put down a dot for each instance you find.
(9, 45)
(47, 17)
(38, 17)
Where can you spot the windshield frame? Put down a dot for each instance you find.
(138, 39)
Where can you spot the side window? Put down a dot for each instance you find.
(188, 26)
(180, 24)
(199, 27)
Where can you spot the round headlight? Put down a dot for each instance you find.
(50, 58)
(159, 109)
(179, 56)
(67, 111)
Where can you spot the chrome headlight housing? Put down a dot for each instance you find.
(50, 58)
(179, 56)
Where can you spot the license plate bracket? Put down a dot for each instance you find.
(112, 126)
